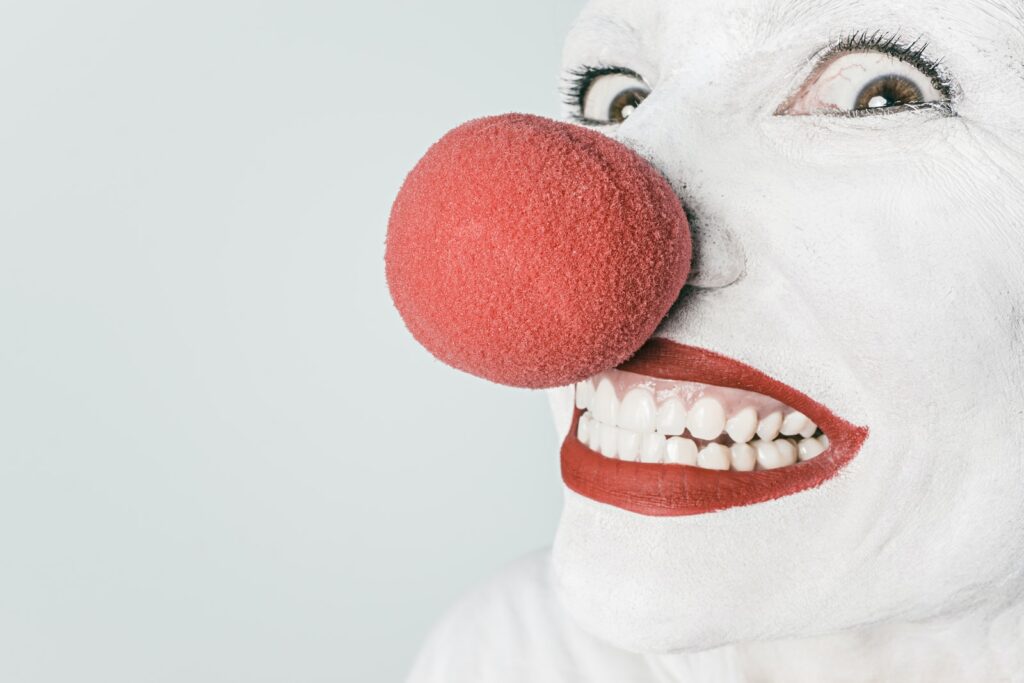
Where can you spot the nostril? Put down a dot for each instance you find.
(534, 253)
(718, 256)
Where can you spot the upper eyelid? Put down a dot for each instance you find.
(913, 52)
(578, 81)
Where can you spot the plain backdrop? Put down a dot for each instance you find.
(222, 457)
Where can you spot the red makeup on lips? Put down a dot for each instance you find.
(671, 490)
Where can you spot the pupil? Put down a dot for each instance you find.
(625, 103)
(889, 91)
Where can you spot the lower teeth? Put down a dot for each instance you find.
(624, 444)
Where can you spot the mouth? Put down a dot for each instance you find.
(678, 430)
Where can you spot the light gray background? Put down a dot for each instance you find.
(222, 458)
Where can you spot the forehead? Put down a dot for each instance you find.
(669, 30)
(774, 15)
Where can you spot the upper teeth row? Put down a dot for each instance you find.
(705, 419)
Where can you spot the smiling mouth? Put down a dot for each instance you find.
(678, 430)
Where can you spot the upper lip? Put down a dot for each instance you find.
(676, 490)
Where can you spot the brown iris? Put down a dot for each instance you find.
(889, 91)
(625, 103)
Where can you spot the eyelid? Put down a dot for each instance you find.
(912, 52)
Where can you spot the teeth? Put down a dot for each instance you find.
(768, 428)
(637, 411)
(681, 451)
(583, 430)
(671, 419)
(744, 457)
(706, 419)
(768, 456)
(653, 449)
(606, 404)
(742, 426)
(594, 437)
(809, 449)
(714, 457)
(609, 440)
(793, 424)
(787, 450)
(681, 422)
(584, 394)
(629, 445)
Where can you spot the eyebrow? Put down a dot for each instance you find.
(787, 12)
(616, 38)
(605, 25)
(796, 10)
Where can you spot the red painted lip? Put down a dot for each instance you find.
(678, 490)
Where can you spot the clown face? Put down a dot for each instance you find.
(826, 431)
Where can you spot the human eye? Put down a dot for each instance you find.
(870, 74)
(605, 95)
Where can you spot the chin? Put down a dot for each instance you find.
(654, 555)
(768, 572)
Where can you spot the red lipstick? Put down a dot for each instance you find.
(670, 490)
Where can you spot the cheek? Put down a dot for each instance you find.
(561, 402)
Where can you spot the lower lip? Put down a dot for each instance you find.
(679, 490)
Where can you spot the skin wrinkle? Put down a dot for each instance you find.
(782, 13)
(1012, 13)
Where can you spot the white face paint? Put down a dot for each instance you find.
(874, 262)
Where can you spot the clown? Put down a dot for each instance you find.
(774, 269)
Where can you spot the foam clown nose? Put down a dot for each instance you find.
(534, 253)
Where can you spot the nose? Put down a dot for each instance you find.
(718, 257)
(534, 253)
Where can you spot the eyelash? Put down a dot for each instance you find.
(912, 52)
(577, 81)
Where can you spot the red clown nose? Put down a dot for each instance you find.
(534, 253)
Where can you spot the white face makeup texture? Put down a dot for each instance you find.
(854, 174)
